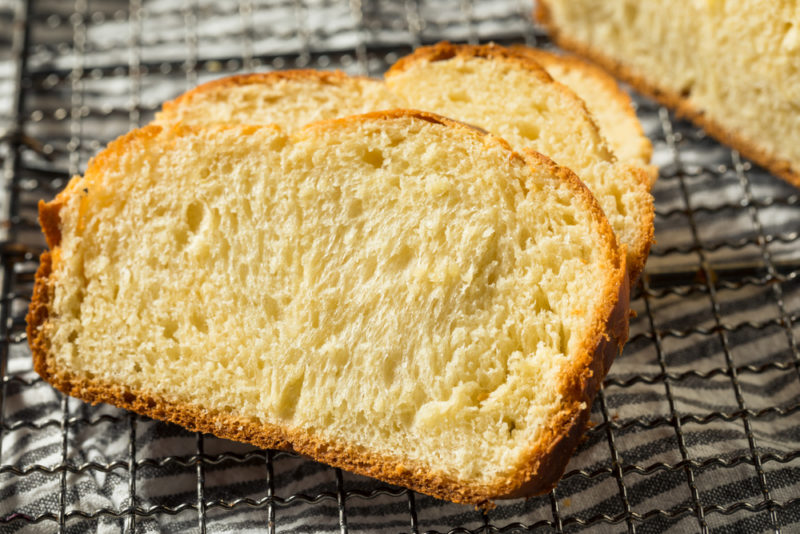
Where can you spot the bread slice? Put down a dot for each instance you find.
(290, 98)
(610, 106)
(512, 96)
(395, 294)
(733, 68)
(297, 97)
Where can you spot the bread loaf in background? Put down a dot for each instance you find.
(731, 67)
(395, 294)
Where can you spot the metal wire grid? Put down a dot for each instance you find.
(697, 326)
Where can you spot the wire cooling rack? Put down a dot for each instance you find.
(697, 428)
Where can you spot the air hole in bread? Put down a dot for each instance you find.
(491, 279)
(247, 209)
(180, 236)
(373, 157)
(270, 306)
(621, 207)
(355, 208)
(244, 271)
(194, 216)
(402, 257)
(459, 96)
(199, 321)
(172, 353)
(233, 222)
(224, 249)
(170, 326)
(511, 424)
(528, 131)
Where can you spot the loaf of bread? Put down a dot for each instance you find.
(610, 106)
(731, 67)
(395, 294)
(510, 95)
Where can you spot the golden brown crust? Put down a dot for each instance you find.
(547, 458)
(50, 222)
(444, 50)
(579, 387)
(646, 224)
(681, 104)
(426, 116)
(38, 312)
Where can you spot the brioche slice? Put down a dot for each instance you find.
(610, 106)
(731, 67)
(296, 98)
(395, 294)
(289, 98)
(510, 95)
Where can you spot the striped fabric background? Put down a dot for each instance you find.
(697, 427)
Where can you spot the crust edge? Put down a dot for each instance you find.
(167, 114)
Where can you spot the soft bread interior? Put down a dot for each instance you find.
(292, 99)
(518, 101)
(389, 282)
(296, 98)
(608, 104)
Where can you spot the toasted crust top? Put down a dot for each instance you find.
(445, 50)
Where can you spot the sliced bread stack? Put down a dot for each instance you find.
(396, 293)
(506, 92)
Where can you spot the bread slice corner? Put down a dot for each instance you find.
(611, 107)
(512, 96)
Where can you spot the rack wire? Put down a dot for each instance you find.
(697, 427)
